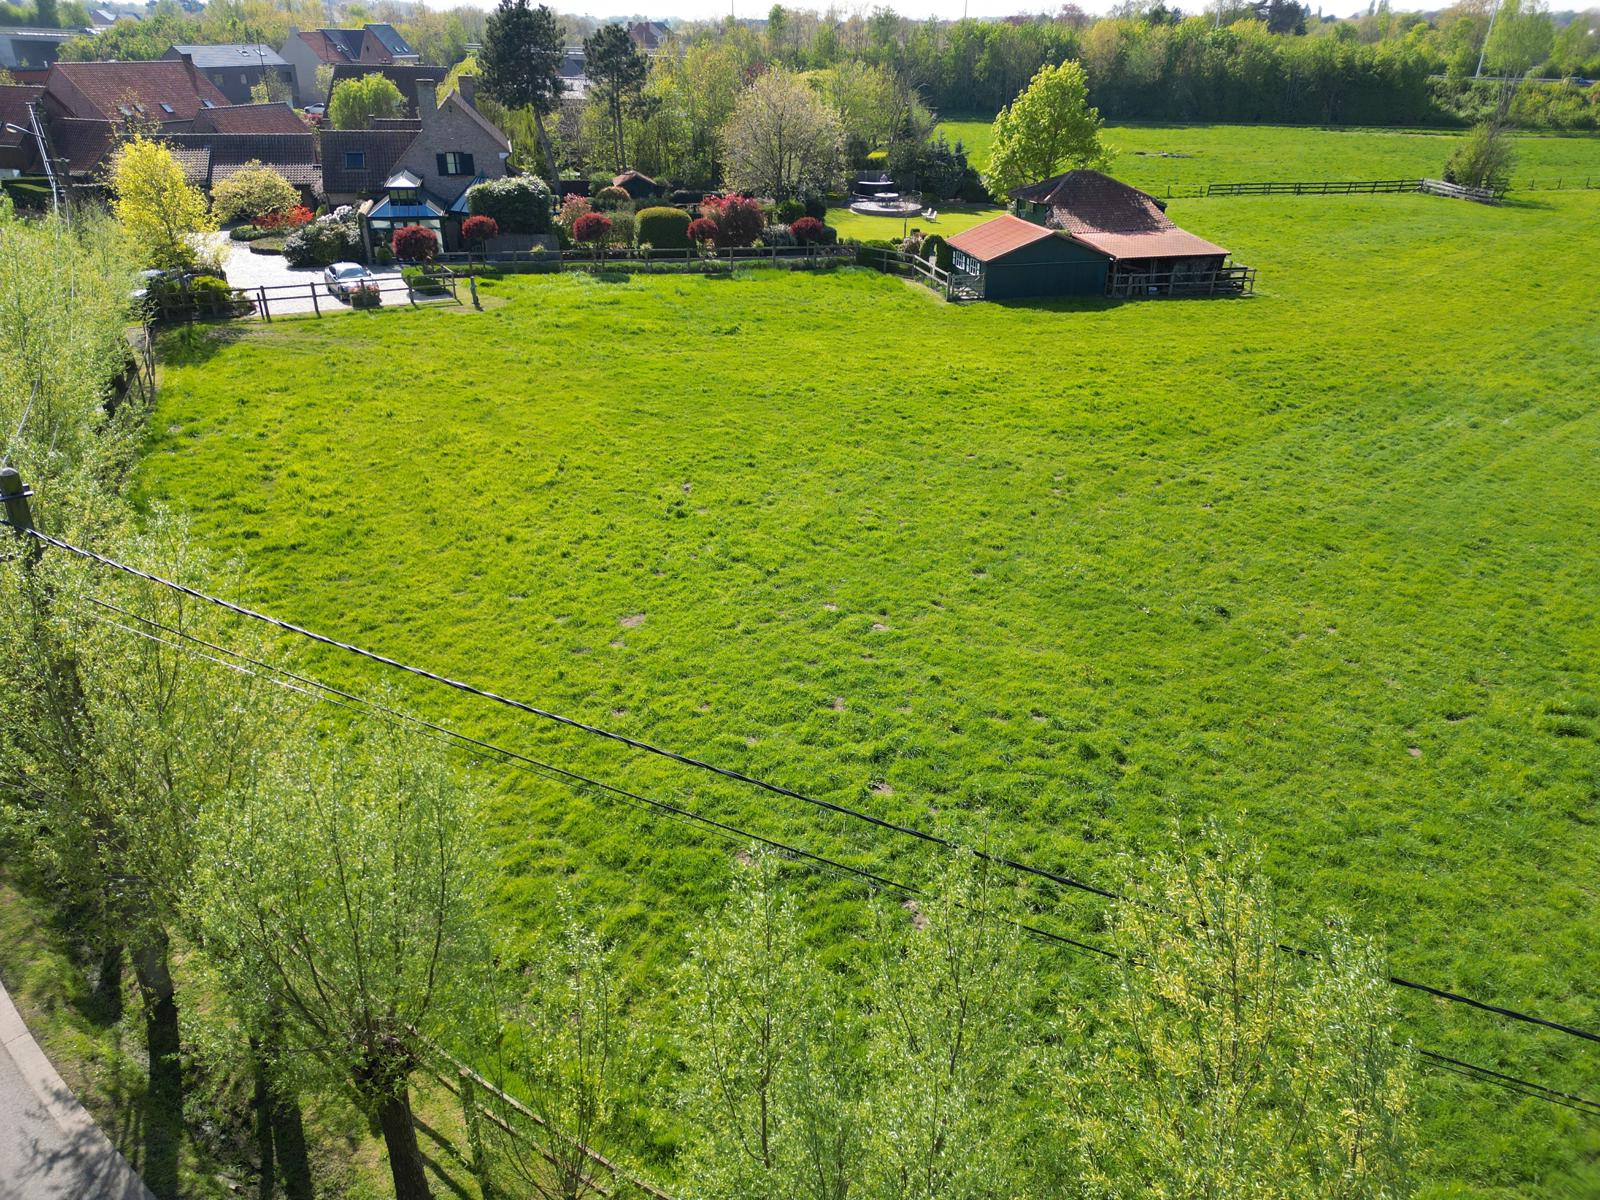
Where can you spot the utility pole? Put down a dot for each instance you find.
(19, 513)
(1493, 13)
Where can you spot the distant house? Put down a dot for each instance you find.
(415, 176)
(32, 49)
(371, 45)
(19, 152)
(236, 68)
(1083, 233)
(637, 185)
(648, 35)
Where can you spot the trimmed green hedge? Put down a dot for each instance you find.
(664, 228)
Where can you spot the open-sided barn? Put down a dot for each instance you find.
(1083, 233)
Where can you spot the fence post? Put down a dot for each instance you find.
(316, 305)
(473, 1121)
(19, 514)
(266, 309)
(472, 285)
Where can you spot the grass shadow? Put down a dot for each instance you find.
(192, 345)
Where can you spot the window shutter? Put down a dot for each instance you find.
(466, 164)
(443, 163)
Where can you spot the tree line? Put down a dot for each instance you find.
(304, 900)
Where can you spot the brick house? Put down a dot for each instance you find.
(236, 68)
(371, 45)
(415, 176)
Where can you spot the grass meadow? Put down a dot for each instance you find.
(1242, 153)
(1317, 566)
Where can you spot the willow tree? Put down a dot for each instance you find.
(341, 889)
(1227, 1067)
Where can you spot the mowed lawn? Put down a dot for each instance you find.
(1156, 157)
(1319, 567)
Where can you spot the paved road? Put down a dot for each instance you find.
(50, 1148)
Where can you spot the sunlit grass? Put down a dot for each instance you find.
(1319, 566)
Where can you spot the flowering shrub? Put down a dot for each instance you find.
(365, 295)
(479, 229)
(290, 218)
(702, 229)
(414, 243)
(807, 230)
(739, 219)
(330, 239)
(591, 227)
(572, 208)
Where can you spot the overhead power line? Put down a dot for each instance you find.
(328, 693)
(726, 772)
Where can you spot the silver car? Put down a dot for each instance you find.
(344, 278)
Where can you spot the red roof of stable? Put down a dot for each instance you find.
(1111, 217)
(999, 237)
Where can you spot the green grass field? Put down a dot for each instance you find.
(1240, 153)
(1319, 565)
(953, 218)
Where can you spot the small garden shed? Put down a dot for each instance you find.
(1009, 258)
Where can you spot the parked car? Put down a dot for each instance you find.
(343, 278)
(315, 110)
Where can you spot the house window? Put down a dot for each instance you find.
(167, 108)
(453, 162)
(207, 104)
(355, 160)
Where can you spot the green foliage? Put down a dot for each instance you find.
(611, 198)
(253, 191)
(162, 215)
(518, 203)
(1483, 160)
(937, 250)
(520, 63)
(1047, 129)
(782, 140)
(355, 103)
(328, 239)
(617, 72)
(1227, 1065)
(663, 228)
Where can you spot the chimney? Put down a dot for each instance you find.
(468, 87)
(427, 97)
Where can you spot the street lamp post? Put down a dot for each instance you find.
(44, 159)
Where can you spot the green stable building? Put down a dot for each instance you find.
(1083, 233)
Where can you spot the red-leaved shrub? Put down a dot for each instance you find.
(739, 219)
(702, 229)
(591, 227)
(806, 230)
(479, 229)
(292, 219)
(414, 243)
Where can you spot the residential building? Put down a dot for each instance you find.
(19, 152)
(404, 76)
(371, 45)
(648, 35)
(237, 68)
(420, 176)
(159, 92)
(209, 158)
(32, 49)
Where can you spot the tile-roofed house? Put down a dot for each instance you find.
(250, 118)
(421, 175)
(18, 151)
(999, 237)
(1099, 211)
(164, 91)
(219, 155)
(356, 162)
(395, 46)
(236, 68)
(648, 35)
(80, 144)
(403, 76)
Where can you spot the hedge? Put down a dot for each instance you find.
(663, 228)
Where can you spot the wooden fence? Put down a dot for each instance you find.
(1322, 187)
(911, 266)
(442, 285)
(1230, 280)
(1454, 191)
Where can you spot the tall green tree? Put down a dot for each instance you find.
(520, 62)
(355, 103)
(782, 139)
(1049, 128)
(345, 878)
(617, 71)
(1226, 1067)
